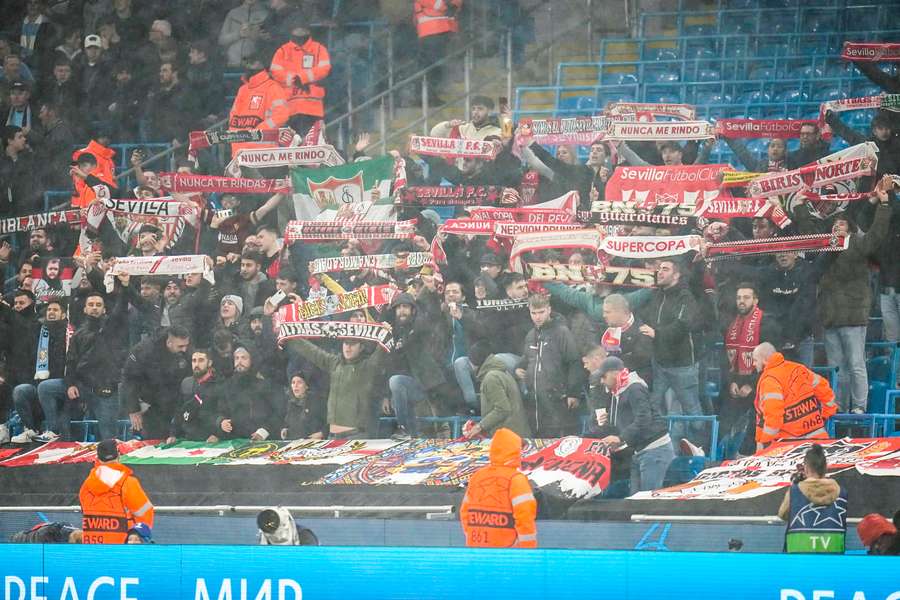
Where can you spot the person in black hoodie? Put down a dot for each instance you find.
(672, 319)
(631, 420)
(249, 409)
(882, 135)
(812, 148)
(201, 394)
(304, 412)
(94, 359)
(552, 371)
(150, 380)
(39, 360)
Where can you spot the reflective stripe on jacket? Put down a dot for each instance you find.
(261, 103)
(433, 17)
(112, 501)
(499, 509)
(299, 69)
(791, 402)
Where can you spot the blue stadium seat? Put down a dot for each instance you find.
(762, 74)
(586, 103)
(860, 118)
(736, 25)
(570, 103)
(828, 93)
(709, 75)
(664, 77)
(766, 48)
(698, 30)
(702, 53)
(791, 96)
(754, 97)
(663, 98)
(618, 78)
(821, 25)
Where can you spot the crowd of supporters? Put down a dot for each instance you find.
(197, 357)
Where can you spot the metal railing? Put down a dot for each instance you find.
(222, 509)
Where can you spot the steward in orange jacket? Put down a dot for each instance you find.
(434, 17)
(498, 510)
(299, 65)
(261, 103)
(792, 402)
(105, 171)
(112, 500)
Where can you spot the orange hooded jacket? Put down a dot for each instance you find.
(105, 171)
(112, 501)
(498, 510)
(433, 17)
(300, 69)
(261, 103)
(791, 402)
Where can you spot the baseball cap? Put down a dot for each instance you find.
(872, 527)
(489, 258)
(107, 450)
(93, 40)
(611, 363)
(19, 85)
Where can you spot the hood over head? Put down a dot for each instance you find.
(506, 449)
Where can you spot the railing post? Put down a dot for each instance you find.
(590, 30)
(509, 67)
(425, 103)
(382, 123)
(391, 72)
(550, 47)
(467, 75)
(349, 98)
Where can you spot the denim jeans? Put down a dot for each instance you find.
(846, 349)
(52, 397)
(685, 400)
(648, 468)
(105, 410)
(465, 376)
(24, 400)
(890, 312)
(406, 394)
(802, 353)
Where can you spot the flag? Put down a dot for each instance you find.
(66, 453)
(345, 192)
(179, 453)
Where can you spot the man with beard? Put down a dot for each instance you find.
(750, 328)
(248, 281)
(479, 126)
(196, 421)
(787, 293)
(249, 409)
(149, 380)
(812, 148)
(552, 371)
(94, 358)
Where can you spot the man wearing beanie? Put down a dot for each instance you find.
(878, 535)
(112, 500)
(630, 420)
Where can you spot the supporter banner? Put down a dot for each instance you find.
(39, 220)
(557, 240)
(468, 227)
(576, 274)
(366, 332)
(450, 195)
(205, 139)
(179, 453)
(151, 207)
(751, 208)
(646, 218)
(883, 101)
(452, 147)
(346, 230)
(300, 156)
(513, 229)
(573, 467)
(650, 246)
(352, 192)
(826, 209)
(557, 211)
(870, 52)
(682, 130)
(578, 131)
(64, 453)
(365, 297)
(330, 452)
(7, 452)
(811, 176)
(371, 261)
(187, 183)
(738, 178)
(771, 469)
(884, 466)
(162, 265)
(647, 111)
(825, 242)
(761, 128)
(670, 190)
(501, 304)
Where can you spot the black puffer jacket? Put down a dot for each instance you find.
(674, 316)
(153, 375)
(250, 404)
(98, 348)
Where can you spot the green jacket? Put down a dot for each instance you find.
(845, 297)
(501, 402)
(592, 304)
(353, 383)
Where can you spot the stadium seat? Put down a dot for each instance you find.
(708, 75)
(618, 78)
(586, 103)
(756, 97)
(762, 74)
(791, 96)
(828, 93)
(664, 77)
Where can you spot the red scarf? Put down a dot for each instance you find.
(741, 339)
(612, 337)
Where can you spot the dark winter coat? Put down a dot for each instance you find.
(152, 374)
(674, 316)
(98, 348)
(633, 417)
(303, 416)
(413, 352)
(196, 420)
(250, 402)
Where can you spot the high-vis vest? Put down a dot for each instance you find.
(105, 171)
(791, 402)
(433, 17)
(261, 103)
(813, 528)
(298, 69)
(499, 509)
(112, 501)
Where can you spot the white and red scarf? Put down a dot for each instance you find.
(452, 147)
(186, 183)
(204, 139)
(742, 337)
(660, 130)
(611, 340)
(762, 128)
(870, 52)
(346, 230)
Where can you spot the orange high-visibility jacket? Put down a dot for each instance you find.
(791, 402)
(498, 510)
(261, 103)
(434, 17)
(299, 69)
(112, 501)
(105, 171)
